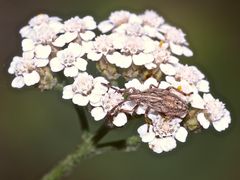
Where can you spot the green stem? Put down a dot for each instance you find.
(88, 149)
(82, 117)
(66, 166)
(101, 132)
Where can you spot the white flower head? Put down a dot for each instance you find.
(77, 24)
(162, 133)
(164, 60)
(43, 18)
(119, 17)
(130, 29)
(175, 38)
(69, 59)
(116, 19)
(42, 29)
(133, 50)
(110, 100)
(103, 45)
(192, 75)
(152, 19)
(135, 83)
(215, 113)
(74, 28)
(25, 71)
(85, 89)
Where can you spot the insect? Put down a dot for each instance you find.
(162, 101)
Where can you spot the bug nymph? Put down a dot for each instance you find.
(162, 101)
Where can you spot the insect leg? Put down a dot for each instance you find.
(147, 120)
(112, 87)
(153, 86)
(176, 89)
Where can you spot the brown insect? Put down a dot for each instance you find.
(162, 101)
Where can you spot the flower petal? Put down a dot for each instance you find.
(27, 44)
(167, 144)
(98, 113)
(89, 22)
(203, 121)
(71, 71)
(135, 83)
(187, 52)
(67, 92)
(222, 124)
(197, 101)
(18, 82)
(203, 86)
(155, 145)
(31, 78)
(105, 26)
(168, 69)
(76, 49)
(150, 81)
(150, 66)
(65, 38)
(94, 56)
(120, 120)
(81, 64)
(41, 62)
(87, 35)
(56, 65)
(43, 51)
(142, 59)
(176, 49)
(181, 134)
(80, 100)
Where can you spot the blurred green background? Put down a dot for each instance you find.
(38, 129)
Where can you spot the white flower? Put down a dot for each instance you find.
(85, 89)
(43, 18)
(166, 62)
(38, 53)
(135, 83)
(42, 29)
(106, 103)
(191, 74)
(152, 19)
(215, 113)
(77, 24)
(25, 71)
(133, 49)
(74, 28)
(115, 19)
(130, 29)
(28, 45)
(130, 24)
(191, 91)
(162, 133)
(102, 45)
(175, 38)
(70, 60)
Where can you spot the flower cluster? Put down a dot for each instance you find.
(172, 98)
(141, 40)
(50, 42)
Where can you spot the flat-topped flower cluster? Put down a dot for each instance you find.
(140, 45)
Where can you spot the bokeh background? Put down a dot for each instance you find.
(38, 129)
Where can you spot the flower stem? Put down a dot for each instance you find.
(82, 117)
(101, 132)
(66, 166)
(88, 149)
